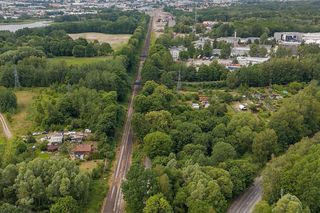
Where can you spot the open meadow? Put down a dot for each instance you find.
(115, 40)
(20, 122)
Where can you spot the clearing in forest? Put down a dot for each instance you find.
(115, 40)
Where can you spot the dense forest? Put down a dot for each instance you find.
(203, 159)
(255, 19)
(110, 75)
(196, 155)
(27, 185)
(294, 173)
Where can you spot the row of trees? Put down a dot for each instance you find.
(8, 101)
(295, 172)
(110, 75)
(277, 71)
(122, 25)
(212, 72)
(58, 43)
(287, 203)
(134, 46)
(92, 49)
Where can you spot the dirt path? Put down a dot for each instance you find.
(5, 127)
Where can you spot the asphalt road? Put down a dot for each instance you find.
(114, 201)
(246, 201)
(5, 127)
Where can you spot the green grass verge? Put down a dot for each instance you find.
(153, 38)
(97, 193)
(78, 61)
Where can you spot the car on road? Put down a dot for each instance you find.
(137, 82)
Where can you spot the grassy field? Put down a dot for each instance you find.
(115, 40)
(88, 166)
(78, 61)
(20, 123)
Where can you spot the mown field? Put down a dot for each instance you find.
(115, 40)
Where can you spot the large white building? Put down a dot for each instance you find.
(246, 61)
(311, 38)
(297, 37)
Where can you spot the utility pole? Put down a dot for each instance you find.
(16, 77)
(179, 81)
(195, 17)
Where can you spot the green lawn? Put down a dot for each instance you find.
(78, 61)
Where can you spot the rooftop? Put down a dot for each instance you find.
(83, 148)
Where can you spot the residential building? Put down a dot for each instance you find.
(82, 150)
(288, 36)
(175, 52)
(56, 138)
(52, 148)
(240, 51)
(216, 52)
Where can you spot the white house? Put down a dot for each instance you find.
(242, 107)
(216, 52)
(175, 52)
(56, 139)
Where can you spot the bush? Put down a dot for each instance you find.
(8, 101)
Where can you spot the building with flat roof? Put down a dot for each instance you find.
(175, 52)
(246, 61)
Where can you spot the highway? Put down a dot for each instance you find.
(5, 127)
(246, 201)
(114, 201)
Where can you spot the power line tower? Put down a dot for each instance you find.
(195, 17)
(179, 81)
(16, 78)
